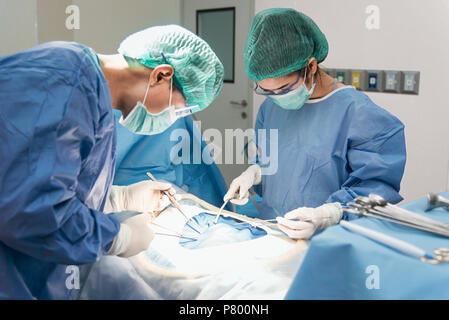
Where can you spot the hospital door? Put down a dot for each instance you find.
(224, 25)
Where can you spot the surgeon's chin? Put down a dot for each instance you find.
(125, 106)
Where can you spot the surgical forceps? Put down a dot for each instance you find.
(174, 203)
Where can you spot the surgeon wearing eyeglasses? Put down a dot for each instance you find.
(58, 146)
(334, 142)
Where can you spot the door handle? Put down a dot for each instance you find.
(239, 104)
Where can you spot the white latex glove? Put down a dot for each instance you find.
(311, 219)
(144, 196)
(242, 184)
(134, 236)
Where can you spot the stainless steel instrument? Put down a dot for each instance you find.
(376, 207)
(436, 201)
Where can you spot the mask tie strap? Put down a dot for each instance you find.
(171, 90)
(305, 78)
(146, 92)
(313, 84)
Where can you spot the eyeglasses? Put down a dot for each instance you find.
(265, 92)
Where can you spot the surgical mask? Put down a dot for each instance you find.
(141, 121)
(295, 99)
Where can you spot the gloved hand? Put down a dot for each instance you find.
(311, 219)
(134, 236)
(144, 196)
(241, 185)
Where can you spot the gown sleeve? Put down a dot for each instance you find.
(376, 155)
(48, 134)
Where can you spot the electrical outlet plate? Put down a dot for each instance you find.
(358, 79)
(343, 76)
(410, 82)
(374, 80)
(392, 81)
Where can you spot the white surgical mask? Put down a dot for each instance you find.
(141, 121)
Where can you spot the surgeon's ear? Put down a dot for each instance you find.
(312, 67)
(161, 73)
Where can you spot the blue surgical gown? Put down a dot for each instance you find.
(57, 155)
(197, 173)
(331, 150)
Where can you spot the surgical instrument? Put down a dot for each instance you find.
(224, 205)
(175, 235)
(165, 228)
(219, 211)
(260, 222)
(436, 201)
(173, 202)
(410, 225)
(377, 207)
(441, 255)
(269, 222)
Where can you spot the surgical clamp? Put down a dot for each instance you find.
(377, 207)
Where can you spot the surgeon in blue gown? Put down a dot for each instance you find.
(334, 143)
(135, 157)
(58, 150)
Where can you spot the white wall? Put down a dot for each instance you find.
(413, 35)
(17, 25)
(51, 20)
(104, 23)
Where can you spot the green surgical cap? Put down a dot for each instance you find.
(198, 71)
(281, 41)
